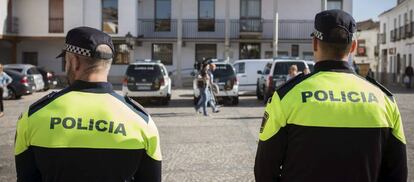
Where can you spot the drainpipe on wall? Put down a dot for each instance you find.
(227, 33)
(276, 28)
(178, 82)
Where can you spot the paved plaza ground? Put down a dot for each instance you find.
(221, 147)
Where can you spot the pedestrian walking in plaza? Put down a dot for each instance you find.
(409, 73)
(211, 97)
(4, 81)
(293, 72)
(203, 82)
(87, 132)
(332, 125)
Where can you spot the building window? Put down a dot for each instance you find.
(295, 50)
(205, 51)
(362, 50)
(121, 53)
(30, 58)
(110, 16)
(249, 51)
(250, 16)
(163, 52)
(55, 16)
(206, 15)
(162, 15)
(334, 4)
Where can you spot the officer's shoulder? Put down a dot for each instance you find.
(290, 84)
(134, 106)
(42, 102)
(380, 86)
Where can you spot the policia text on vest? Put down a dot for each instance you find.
(342, 96)
(80, 124)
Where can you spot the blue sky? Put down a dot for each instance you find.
(366, 9)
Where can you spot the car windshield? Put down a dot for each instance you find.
(143, 71)
(282, 68)
(224, 70)
(32, 71)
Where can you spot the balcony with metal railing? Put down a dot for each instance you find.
(402, 32)
(382, 38)
(162, 29)
(408, 32)
(216, 29)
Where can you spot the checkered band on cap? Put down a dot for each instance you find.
(318, 34)
(77, 50)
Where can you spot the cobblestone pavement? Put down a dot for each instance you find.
(221, 147)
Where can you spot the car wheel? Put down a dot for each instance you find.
(258, 94)
(235, 100)
(12, 94)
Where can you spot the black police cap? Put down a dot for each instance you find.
(84, 41)
(326, 21)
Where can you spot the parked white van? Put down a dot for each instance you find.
(246, 71)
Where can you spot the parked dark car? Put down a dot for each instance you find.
(49, 78)
(274, 75)
(19, 86)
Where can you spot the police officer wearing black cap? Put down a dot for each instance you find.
(87, 132)
(331, 125)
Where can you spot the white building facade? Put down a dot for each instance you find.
(178, 32)
(396, 41)
(367, 54)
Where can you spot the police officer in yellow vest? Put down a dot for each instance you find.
(332, 125)
(87, 132)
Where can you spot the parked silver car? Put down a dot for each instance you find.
(29, 71)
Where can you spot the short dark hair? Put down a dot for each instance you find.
(336, 50)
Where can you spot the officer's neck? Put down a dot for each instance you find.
(94, 77)
(331, 58)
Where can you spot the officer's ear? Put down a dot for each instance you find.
(315, 44)
(353, 46)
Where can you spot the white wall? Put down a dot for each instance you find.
(71, 8)
(3, 16)
(33, 17)
(93, 14)
(127, 15)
